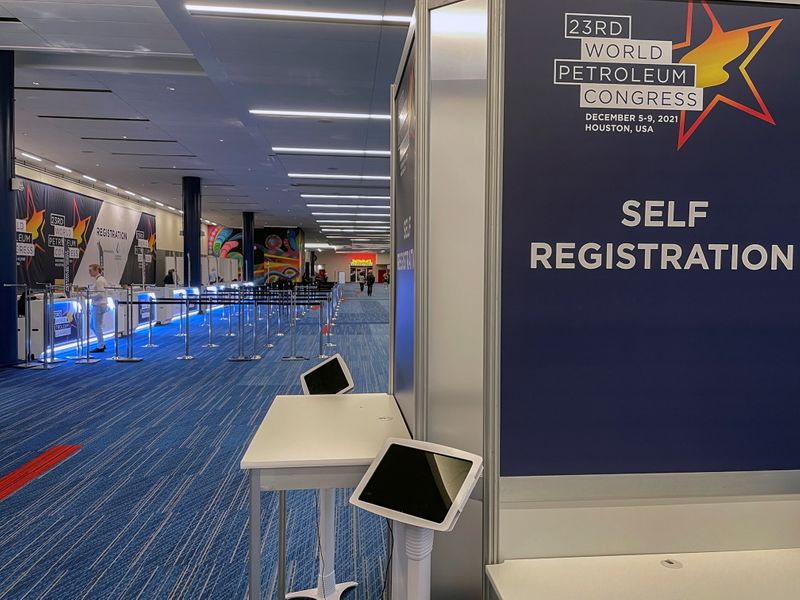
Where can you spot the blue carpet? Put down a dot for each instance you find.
(154, 505)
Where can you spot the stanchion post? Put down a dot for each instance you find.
(321, 329)
(269, 309)
(116, 331)
(87, 360)
(150, 305)
(255, 355)
(186, 355)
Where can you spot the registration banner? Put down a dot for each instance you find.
(60, 233)
(404, 266)
(650, 222)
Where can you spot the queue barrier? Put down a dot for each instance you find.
(246, 300)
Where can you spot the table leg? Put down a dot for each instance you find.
(327, 588)
(281, 544)
(255, 534)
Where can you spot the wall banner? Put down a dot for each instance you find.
(60, 233)
(650, 234)
(278, 253)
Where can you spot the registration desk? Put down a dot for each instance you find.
(315, 442)
(746, 575)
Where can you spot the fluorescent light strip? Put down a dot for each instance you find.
(31, 156)
(65, 169)
(159, 203)
(130, 193)
(331, 151)
(367, 206)
(92, 179)
(113, 187)
(333, 214)
(342, 197)
(264, 112)
(246, 11)
(172, 208)
(328, 176)
(145, 199)
(354, 222)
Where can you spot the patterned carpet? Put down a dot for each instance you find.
(154, 504)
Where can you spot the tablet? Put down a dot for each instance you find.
(419, 483)
(331, 376)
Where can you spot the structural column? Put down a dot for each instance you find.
(8, 246)
(248, 233)
(191, 231)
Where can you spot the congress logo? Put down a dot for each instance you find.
(693, 76)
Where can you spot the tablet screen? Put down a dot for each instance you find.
(327, 378)
(416, 482)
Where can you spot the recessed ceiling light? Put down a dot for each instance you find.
(35, 83)
(130, 193)
(212, 222)
(315, 114)
(343, 197)
(221, 140)
(124, 137)
(331, 151)
(145, 199)
(65, 169)
(113, 187)
(170, 88)
(304, 15)
(32, 157)
(329, 176)
(159, 203)
(172, 208)
(92, 179)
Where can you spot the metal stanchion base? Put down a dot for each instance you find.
(242, 358)
(330, 345)
(125, 359)
(290, 358)
(87, 361)
(323, 355)
(180, 335)
(185, 357)
(53, 361)
(210, 345)
(256, 357)
(270, 345)
(150, 346)
(279, 334)
(30, 365)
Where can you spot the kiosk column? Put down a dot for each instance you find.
(191, 231)
(8, 254)
(248, 234)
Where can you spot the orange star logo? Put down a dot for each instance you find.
(711, 58)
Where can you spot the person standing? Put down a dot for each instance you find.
(361, 280)
(99, 299)
(370, 283)
(213, 278)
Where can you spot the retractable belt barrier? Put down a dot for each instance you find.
(245, 303)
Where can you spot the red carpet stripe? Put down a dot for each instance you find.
(32, 469)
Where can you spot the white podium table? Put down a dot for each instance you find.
(315, 442)
(745, 575)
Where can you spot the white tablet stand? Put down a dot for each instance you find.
(327, 588)
(383, 491)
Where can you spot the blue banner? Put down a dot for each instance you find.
(650, 224)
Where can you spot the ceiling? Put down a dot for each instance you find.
(163, 94)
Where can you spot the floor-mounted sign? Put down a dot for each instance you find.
(650, 232)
